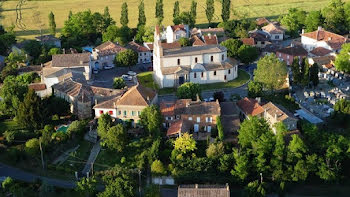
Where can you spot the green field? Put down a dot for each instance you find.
(241, 8)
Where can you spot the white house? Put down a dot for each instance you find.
(275, 31)
(144, 54)
(104, 54)
(322, 39)
(199, 64)
(175, 32)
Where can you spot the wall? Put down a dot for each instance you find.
(144, 57)
(202, 124)
(273, 36)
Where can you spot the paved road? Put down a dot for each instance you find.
(19, 174)
(93, 155)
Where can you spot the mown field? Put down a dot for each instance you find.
(61, 8)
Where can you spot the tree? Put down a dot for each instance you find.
(251, 129)
(185, 143)
(219, 96)
(278, 159)
(159, 11)
(104, 124)
(188, 90)
(46, 134)
(271, 72)
(54, 51)
(209, 11)
(124, 19)
(255, 89)
(333, 14)
(30, 112)
(225, 10)
(77, 127)
(305, 72)
(220, 128)
(118, 83)
(52, 24)
(294, 20)
(116, 138)
(342, 61)
(215, 150)
(32, 147)
(70, 14)
(314, 74)
(33, 48)
(184, 42)
(296, 71)
(232, 46)
(6, 41)
(185, 18)
(118, 187)
(313, 20)
(108, 20)
(151, 120)
(111, 34)
(176, 11)
(247, 54)
(126, 58)
(149, 35)
(193, 11)
(86, 186)
(241, 167)
(158, 168)
(142, 15)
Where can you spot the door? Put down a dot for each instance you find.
(181, 80)
(209, 129)
(196, 127)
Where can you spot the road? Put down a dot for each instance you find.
(21, 175)
(93, 155)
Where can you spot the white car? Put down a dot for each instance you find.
(131, 73)
(95, 71)
(127, 77)
(108, 67)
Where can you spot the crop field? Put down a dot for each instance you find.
(29, 26)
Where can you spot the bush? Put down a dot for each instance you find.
(188, 90)
(118, 83)
(32, 147)
(19, 135)
(158, 168)
(77, 128)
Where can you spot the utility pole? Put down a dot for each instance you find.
(140, 183)
(42, 155)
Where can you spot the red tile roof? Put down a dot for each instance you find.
(37, 86)
(178, 27)
(167, 108)
(250, 106)
(248, 41)
(273, 29)
(210, 39)
(137, 47)
(294, 51)
(173, 45)
(333, 40)
(262, 21)
(178, 126)
(320, 51)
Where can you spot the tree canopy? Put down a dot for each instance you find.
(126, 58)
(342, 61)
(188, 90)
(232, 45)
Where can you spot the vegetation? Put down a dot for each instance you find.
(188, 90)
(342, 61)
(124, 18)
(126, 58)
(52, 24)
(119, 83)
(209, 11)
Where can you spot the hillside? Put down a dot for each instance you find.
(248, 8)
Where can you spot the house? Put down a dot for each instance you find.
(248, 41)
(322, 61)
(204, 40)
(249, 107)
(199, 64)
(274, 114)
(320, 52)
(186, 115)
(175, 32)
(49, 40)
(81, 96)
(218, 32)
(104, 54)
(289, 53)
(203, 190)
(26, 69)
(262, 21)
(322, 38)
(261, 39)
(40, 89)
(144, 54)
(128, 106)
(275, 31)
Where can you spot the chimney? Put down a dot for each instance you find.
(41, 65)
(148, 98)
(319, 28)
(198, 99)
(302, 31)
(258, 99)
(196, 186)
(227, 187)
(292, 44)
(114, 105)
(329, 38)
(187, 104)
(64, 51)
(81, 62)
(95, 101)
(209, 35)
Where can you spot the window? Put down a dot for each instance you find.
(198, 119)
(262, 42)
(144, 54)
(279, 55)
(133, 113)
(138, 113)
(210, 119)
(196, 60)
(225, 77)
(195, 75)
(211, 58)
(229, 71)
(214, 73)
(189, 118)
(277, 37)
(119, 112)
(178, 61)
(209, 129)
(125, 112)
(110, 113)
(223, 57)
(202, 74)
(101, 111)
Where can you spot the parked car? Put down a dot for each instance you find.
(131, 73)
(95, 71)
(108, 67)
(127, 77)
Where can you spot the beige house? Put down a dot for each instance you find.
(274, 114)
(104, 54)
(144, 54)
(275, 31)
(129, 105)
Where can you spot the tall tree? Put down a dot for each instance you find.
(70, 14)
(313, 20)
(232, 46)
(176, 11)
(305, 72)
(126, 58)
(342, 61)
(193, 10)
(251, 129)
(225, 10)
(334, 14)
(12, 93)
(159, 11)
(314, 74)
(116, 138)
(52, 24)
(104, 124)
(294, 20)
(30, 112)
(296, 71)
(188, 90)
(247, 54)
(124, 18)
(108, 20)
(151, 119)
(142, 15)
(209, 11)
(271, 72)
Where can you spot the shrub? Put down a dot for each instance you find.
(158, 168)
(118, 83)
(32, 146)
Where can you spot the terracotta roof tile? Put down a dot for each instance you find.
(278, 112)
(137, 47)
(261, 21)
(137, 95)
(109, 48)
(273, 29)
(178, 126)
(248, 41)
(210, 39)
(178, 27)
(37, 86)
(167, 108)
(294, 51)
(173, 45)
(320, 51)
(71, 60)
(250, 106)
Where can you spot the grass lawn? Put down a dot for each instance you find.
(61, 8)
(146, 79)
(8, 125)
(77, 159)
